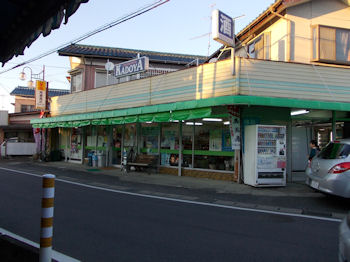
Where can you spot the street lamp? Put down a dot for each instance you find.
(39, 76)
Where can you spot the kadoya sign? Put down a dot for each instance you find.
(131, 67)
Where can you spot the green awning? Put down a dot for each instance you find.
(162, 117)
(116, 121)
(189, 110)
(130, 119)
(100, 122)
(146, 118)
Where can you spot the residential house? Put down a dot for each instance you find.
(18, 123)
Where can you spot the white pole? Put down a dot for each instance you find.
(47, 205)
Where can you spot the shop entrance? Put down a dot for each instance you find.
(310, 125)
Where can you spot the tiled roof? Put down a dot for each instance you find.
(123, 53)
(25, 91)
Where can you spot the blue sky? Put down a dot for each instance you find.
(173, 27)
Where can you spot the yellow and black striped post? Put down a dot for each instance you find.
(47, 217)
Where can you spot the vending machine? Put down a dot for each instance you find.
(264, 162)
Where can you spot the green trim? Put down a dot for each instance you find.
(146, 150)
(169, 151)
(198, 152)
(216, 101)
(213, 153)
(116, 149)
(90, 147)
(343, 119)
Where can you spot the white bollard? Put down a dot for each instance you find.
(47, 204)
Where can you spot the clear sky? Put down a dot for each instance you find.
(173, 27)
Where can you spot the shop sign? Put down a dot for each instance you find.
(223, 28)
(235, 127)
(41, 94)
(131, 67)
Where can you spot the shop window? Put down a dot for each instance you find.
(90, 139)
(260, 47)
(76, 144)
(102, 137)
(76, 82)
(330, 44)
(187, 141)
(117, 132)
(149, 138)
(170, 144)
(130, 137)
(63, 140)
(212, 143)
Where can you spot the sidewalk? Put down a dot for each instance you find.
(296, 197)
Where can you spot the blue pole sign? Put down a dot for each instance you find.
(131, 67)
(223, 28)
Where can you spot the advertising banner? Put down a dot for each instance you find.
(235, 127)
(41, 95)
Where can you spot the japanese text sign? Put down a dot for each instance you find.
(223, 28)
(40, 95)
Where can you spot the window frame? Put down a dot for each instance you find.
(265, 46)
(75, 74)
(318, 43)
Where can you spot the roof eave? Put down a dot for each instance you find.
(122, 58)
(262, 19)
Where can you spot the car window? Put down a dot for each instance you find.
(335, 151)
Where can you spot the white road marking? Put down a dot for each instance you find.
(55, 255)
(183, 200)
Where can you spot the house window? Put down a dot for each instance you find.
(76, 82)
(27, 108)
(330, 44)
(101, 78)
(260, 47)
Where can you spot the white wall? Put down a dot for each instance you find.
(318, 12)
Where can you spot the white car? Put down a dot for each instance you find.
(330, 169)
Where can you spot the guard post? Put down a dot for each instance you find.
(47, 205)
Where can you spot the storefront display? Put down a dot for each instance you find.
(169, 144)
(117, 132)
(76, 152)
(212, 144)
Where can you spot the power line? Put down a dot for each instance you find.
(123, 19)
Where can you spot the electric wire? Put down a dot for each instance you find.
(120, 20)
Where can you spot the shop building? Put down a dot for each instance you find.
(293, 57)
(17, 124)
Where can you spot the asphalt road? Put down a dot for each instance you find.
(97, 225)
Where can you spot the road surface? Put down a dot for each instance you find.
(92, 224)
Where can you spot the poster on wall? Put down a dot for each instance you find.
(235, 127)
(226, 140)
(215, 140)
